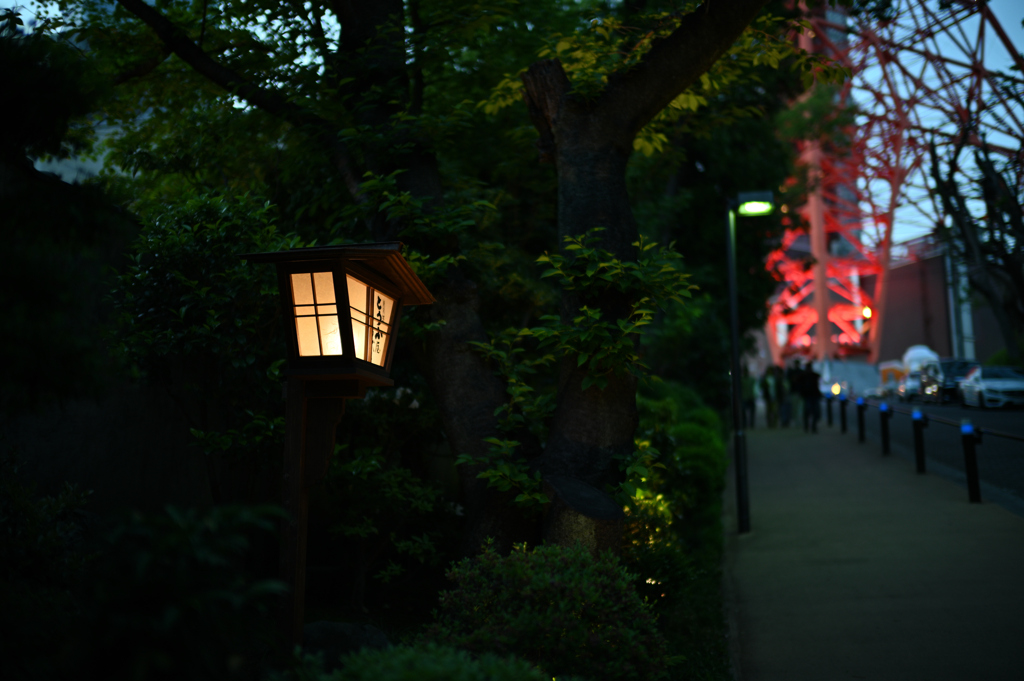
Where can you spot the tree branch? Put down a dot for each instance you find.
(676, 62)
(545, 88)
(175, 39)
(179, 43)
(315, 24)
(143, 67)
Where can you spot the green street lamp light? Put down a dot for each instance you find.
(748, 204)
(754, 208)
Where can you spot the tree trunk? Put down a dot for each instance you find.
(468, 392)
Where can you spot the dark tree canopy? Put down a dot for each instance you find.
(991, 246)
(482, 136)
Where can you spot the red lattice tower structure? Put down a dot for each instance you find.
(923, 74)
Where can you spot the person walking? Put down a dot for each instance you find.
(749, 386)
(782, 397)
(768, 392)
(794, 375)
(810, 390)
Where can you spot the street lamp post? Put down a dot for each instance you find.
(342, 305)
(746, 204)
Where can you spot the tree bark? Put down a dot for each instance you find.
(591, 141)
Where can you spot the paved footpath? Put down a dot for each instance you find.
(858, 568)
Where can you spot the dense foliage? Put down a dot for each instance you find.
(41, 539)
(59, 238)
(169, 596)
(262, 125)
(560, 608)
(427, 662)
(985, 232)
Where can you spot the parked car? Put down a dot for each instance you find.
(910, 387)
(940, 382)
(997, 386)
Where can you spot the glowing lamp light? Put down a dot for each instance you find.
(343, 304)
(317, 325)
(836, 389)
(751, 208)
(866, 312)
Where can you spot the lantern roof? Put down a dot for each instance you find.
(384, 258)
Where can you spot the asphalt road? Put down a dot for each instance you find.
(1000, 459)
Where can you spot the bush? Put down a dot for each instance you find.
(42, 545)
(560, 608)
(1001, 357)
(424, 663)
(687, 435)
(673, 530)
(172, 599)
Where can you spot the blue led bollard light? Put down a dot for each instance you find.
(966, 427)
(916, 415)
(884, 406)
(860, 400)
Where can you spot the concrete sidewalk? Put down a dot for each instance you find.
(858, 568)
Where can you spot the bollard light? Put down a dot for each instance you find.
(920, 420)
(885, 415)
(861, 407)
(970, 439)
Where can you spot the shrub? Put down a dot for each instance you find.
(429, 663)
(560, 608)
(687, 435)
(42, 545)
(172, 599)
(673, 531)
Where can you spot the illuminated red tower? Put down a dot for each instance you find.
(921, 74)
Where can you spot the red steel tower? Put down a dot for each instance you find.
(923, 72)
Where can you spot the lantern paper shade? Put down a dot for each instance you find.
(371, 321)
(342, 305)
(316, 314)
(317, 328)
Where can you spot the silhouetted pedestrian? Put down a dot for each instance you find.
(782, 397)
(749, 385)
(768, 392)
(796, 401)
(810, 390)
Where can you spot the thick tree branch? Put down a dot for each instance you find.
(315, 23)
(179, 43)
(175, 39)
(545, 87)
(677, 61)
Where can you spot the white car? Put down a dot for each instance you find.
(910, 387)
(993, 387)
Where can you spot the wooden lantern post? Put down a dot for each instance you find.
(342, 305)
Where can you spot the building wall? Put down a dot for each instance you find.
(916, 309)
